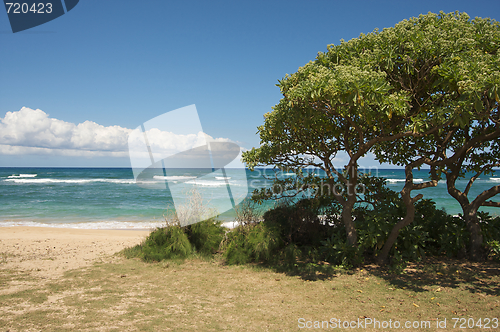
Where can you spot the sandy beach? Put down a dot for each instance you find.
(199, 295)
(49, 252)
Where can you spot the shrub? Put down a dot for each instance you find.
(206, 236)
(433, 231)
(448, 235)
(166, 243)
(337, 251)
(298, 224)
(251, 243)
(248, 211)
(176, 242)
(493, 250)
(490, 226)
(289, 255)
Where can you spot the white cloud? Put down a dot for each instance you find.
(29, 131)
(34, 129)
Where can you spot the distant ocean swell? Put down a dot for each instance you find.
(117, 181)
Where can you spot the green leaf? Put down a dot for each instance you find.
(478, 105)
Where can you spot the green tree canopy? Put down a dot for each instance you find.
(376, 93)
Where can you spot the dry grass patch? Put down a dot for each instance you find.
(129, 295)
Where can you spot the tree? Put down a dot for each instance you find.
(373, 92)
(479, 158)
(469, 78)
(475, 147)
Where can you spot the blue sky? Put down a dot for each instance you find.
(117, 64)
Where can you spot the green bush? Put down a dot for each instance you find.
(206, 236)
(289, 255)
(255, 242)
(447, 235)
(490, 226)
(493, 250)
(235, 249)
(335, 250)
(299, 223)
(433, 231)
(292, 234)
(175, 242)
(166, 243)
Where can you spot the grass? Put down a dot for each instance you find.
(4, 257)
(206, 295)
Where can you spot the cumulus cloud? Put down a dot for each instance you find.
(35, 129)
(29, 131)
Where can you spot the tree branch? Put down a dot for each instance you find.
(471, 181)
(491, 203)
(485, 195)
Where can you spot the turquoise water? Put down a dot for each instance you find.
(110, 197)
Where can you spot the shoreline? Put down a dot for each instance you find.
(85, 225)
(99, 225)
(48, 252)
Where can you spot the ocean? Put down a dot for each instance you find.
(110, 198)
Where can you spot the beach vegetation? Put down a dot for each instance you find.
(306, 236)
(255, 242)
(410, 94)
(298, 223)
(433, 233)
(206, 236)
(422, 93)
(248, 211)
(169, 242)
(183, 235)
(309, 231)
(476, 149)
(175, 242)
(493, 249)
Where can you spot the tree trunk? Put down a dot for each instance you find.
(352, 236)
(348, 204)
(476, 236)
(470, 214)
(383, 256)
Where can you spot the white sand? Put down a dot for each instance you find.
(49, 252)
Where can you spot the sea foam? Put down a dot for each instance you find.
(173, 178)
(69, 181)
(13, 176)
(403, 180)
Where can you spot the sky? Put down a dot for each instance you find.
(73, 89)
